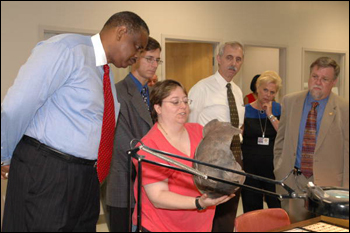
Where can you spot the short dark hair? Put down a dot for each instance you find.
(253, 83)
(160, 91)
(132, 21)
(152, 45)
(325, 62)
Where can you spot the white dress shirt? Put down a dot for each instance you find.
(210, 100)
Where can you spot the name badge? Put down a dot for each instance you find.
(263, 141)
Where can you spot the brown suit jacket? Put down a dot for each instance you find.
(331, 157)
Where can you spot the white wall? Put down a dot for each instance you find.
(295, 25)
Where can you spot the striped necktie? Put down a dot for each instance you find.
(309, 142)
(236, 142)
(108, 127)
(145, 97)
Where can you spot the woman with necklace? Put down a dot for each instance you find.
(260, 129)
(170, 199)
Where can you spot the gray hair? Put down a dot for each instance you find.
(325, 62)
(233, 44)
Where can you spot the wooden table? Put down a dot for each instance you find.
(321, 219)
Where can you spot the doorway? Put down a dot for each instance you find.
(188, 60)
(188, 63)
(310, 55)
(258, 59)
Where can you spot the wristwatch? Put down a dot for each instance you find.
(199, 207)
(271, 116)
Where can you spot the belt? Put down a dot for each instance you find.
(56, 153)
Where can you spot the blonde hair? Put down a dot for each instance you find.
(267, 77)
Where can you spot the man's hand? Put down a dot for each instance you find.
(5, 172)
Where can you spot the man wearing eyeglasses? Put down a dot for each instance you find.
(134, 121)
(211, 101)
(313, 136)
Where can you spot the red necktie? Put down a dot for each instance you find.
(309, 142)
(108, 126)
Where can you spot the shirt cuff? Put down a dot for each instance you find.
(5, 163)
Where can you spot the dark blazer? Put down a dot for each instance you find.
(134, 122)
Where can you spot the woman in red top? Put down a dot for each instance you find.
(169, 196)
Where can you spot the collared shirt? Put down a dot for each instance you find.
(57, 97)
(306, 109)
(210, 101)
(140, 87)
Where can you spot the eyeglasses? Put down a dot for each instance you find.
(152, 59)
(178, 102)
(324, 80)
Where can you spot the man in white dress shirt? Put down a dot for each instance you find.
(210, 101)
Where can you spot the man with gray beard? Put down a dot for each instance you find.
(313, 137)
